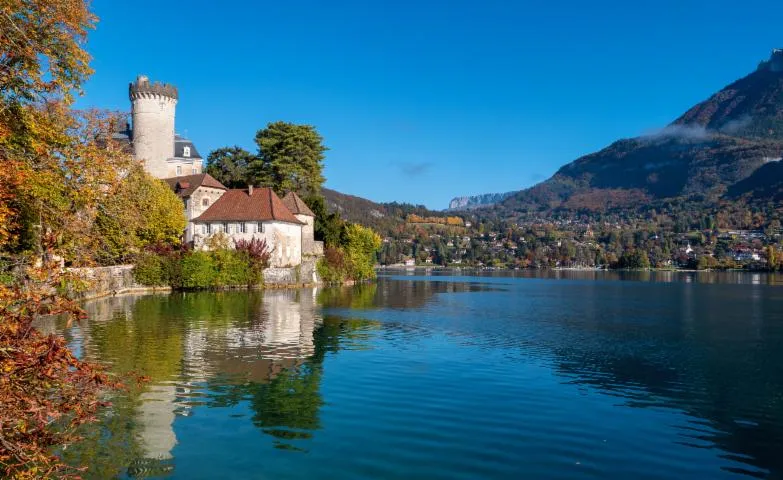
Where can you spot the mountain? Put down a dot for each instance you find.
(384, 218)
(475, 201)
(749, 107)
(725, 148)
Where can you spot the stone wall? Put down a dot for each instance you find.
(118, 280)
(107, 281)
(302, 275)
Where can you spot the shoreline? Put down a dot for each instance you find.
(563, 269)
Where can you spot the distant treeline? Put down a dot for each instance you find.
(454, 221)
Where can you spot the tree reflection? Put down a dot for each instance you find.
(206, 350)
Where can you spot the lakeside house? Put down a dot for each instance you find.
(287, 225)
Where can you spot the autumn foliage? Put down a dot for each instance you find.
(45, 391)
(452, 221)
(57, 168)
(257, 252)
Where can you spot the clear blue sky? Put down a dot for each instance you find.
(420, 101)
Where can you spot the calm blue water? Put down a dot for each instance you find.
(560, 375)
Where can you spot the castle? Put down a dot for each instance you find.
(287, 225)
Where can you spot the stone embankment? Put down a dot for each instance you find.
(118, 280)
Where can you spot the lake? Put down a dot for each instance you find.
(504, 375)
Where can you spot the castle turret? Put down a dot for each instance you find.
(153, 107)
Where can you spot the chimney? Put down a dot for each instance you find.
(250, 190)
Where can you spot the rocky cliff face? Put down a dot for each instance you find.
(476, 201)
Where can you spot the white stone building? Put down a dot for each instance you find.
(198, 193)
(286, 225)
(253, 213)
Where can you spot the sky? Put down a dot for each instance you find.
(421, 101)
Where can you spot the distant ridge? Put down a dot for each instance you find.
(477, 201)
(723, 149)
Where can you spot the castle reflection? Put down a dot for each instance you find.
(204, 349)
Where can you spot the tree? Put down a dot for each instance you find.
(361, 245)
(230, 166)
(41, 49)
(329, 227)
(56, 166)
(290, 158)
(634, 259)
(157, 217)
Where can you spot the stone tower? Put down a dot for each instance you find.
(153, 107)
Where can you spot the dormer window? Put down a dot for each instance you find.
(185, 151)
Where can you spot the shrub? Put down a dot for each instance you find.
(150, 270)
(257, 254)
(332, 268)
(198, 271)
(232, 268)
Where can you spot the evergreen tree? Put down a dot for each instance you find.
(230, 166)
(290, 158)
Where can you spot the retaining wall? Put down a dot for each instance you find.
(302, 276)
(117, 280)
(107, 281)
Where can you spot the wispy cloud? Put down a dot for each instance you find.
(700, 132)
(735, 126)
(686, 132)
(414, 169)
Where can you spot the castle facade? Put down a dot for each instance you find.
(287, 225)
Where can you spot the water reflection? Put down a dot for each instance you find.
(693, 342)
(216, 350)
(736, 277)
(663, 374)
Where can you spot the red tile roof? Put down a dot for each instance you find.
(185, 185)
(296, 205)
(241, 206)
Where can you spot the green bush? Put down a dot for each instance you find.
(233, 268)
(151, 270)
(198, 271)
